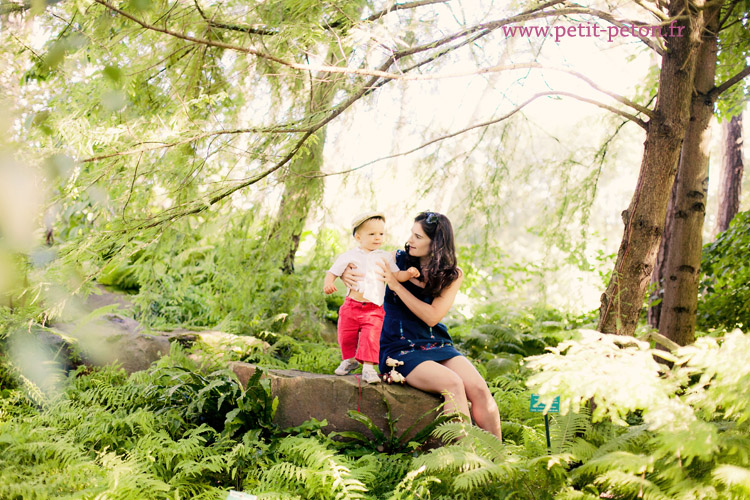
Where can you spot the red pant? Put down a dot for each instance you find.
(359, 329)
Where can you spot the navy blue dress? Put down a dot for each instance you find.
(407, 338)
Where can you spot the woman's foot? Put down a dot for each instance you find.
(369, 374)
(347, 366)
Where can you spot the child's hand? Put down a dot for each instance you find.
(329, 289)
(413, 271)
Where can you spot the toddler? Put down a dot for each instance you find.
(361, 315)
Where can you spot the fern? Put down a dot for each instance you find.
(735, 479)
(313, 468)
(566, 428)
(571, 494)
(476, 459)
(630, 485)
(415, 485)
(619, 460)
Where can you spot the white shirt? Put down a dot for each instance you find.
(371, 287)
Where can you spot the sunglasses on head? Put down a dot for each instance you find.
(430, 217)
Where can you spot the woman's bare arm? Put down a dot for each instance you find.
(429, 313)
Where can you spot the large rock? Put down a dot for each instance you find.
(113, 338)
(304, 395)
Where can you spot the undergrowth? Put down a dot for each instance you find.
(633, 427)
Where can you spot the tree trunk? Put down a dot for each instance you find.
(621, 303)
(679, 307)
(303, 188)
(731, 173)
(660, 269)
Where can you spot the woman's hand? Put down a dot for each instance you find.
(386, 275)
(351, 276)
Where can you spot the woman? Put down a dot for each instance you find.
(412, 332)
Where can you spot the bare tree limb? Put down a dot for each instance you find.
(642, 109)
(515, 110)
(338, 109)
(741, 75)
(268, 31)
(653, 10)
(403, 6)
(269, 130)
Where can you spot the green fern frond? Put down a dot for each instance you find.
(477, 478)
(282, 472)
(472, 437)
(733, 477)
(617, 460)
(452, 460)
(737, 446)
(581, 449)
(319, 468)
(534, 441)
(567, 427)
(630, 440)
(275, 495)
(415, 485)
(571, 494)
(630, 485)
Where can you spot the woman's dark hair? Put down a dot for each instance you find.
(441, 270)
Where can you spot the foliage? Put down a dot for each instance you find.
(188, 395)
(499, 337)
(130, 437)
(689, 431)
(733, 46)
(388, 440)
(219, 275)
(724, 298)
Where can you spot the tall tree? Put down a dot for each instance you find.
(303, 186)
(683, 257)
(732, 168)
(675, 278)
(621, 303)
(274, 41)
(653, 314)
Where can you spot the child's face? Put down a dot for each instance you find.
(370, 235)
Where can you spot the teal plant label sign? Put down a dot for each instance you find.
(538, 407)
(238, 495)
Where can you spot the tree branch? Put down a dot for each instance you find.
(729, 11)
(253, 30)
(715, 92)
(264, 30)
(515, 110)
(198, 206)
(269, 130)
(341, 107)
(491, 26)
(402, 6)
(653, 10)
(642, 109)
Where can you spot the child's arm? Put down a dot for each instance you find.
(410, 273)
(329, 285)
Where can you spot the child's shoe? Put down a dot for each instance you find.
(346, 366)
(369, 375)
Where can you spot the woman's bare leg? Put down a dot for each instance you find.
(430, 376)
(483, 405)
